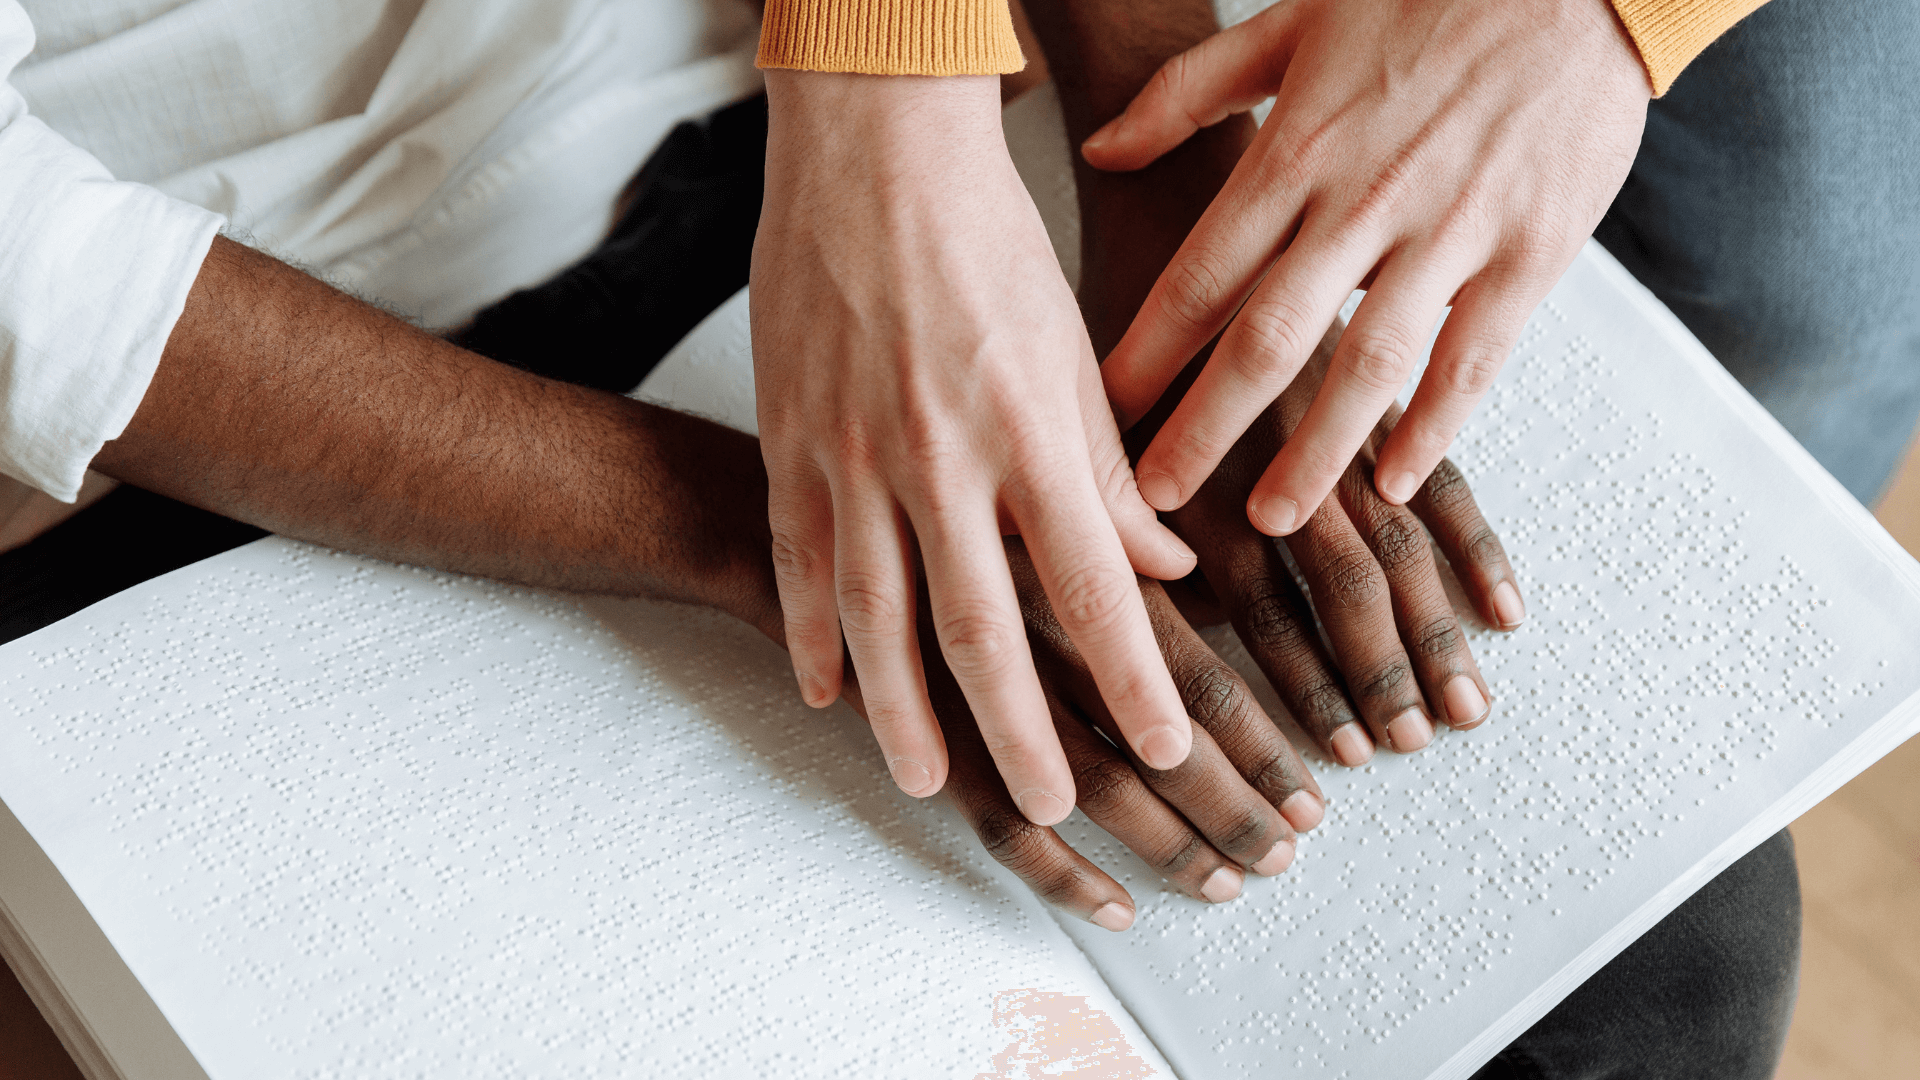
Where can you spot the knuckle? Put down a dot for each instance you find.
(1388, 681)
(793, 562)
(1483, 548)
(1353, 580)
(1180, 856)
(1396, 539)
(1211, 695)
(1446, 486)
(871, 607)
(976, 644)
(1274, 329)
(1244, 834)
(1473, 370)
(1437, 640)
(1325, 700)
(1378, 361)
(1271, 621)
(854, 443)
(1272, 774)
(1195, 289)
(1009, 837)
(1088, 598)
(1104, 786)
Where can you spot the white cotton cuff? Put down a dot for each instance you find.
(94, 273)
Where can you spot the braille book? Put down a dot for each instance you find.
(290, 812)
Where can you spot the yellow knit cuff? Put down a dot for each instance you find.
(1670, 33)
(891, 37)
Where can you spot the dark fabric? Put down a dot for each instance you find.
(1775, 208)
(1707, 993)
(128, 536)
(681, 250)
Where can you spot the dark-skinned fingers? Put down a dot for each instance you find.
(1351, 593)
(1205, 795)
(1434, 641)
(1223, 706)
(1115, 796)
(1276, 625)
(1035, 853)
(1446, 505)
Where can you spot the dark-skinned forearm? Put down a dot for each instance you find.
(1101, 52)
(283, 402)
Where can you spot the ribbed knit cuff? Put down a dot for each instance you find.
(891, 37)
(1670, 33)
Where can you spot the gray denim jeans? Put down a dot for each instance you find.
(1775, 207)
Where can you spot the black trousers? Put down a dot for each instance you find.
(1707, 993)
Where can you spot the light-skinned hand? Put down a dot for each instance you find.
(925, 385)
(1433, 151)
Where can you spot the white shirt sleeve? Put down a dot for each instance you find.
(93, 275)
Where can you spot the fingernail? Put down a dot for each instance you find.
(913, 777)
(1164, 748)
(1507, 605)
(1114, 917)
(1409, 731)
(1466, 705)
(1398, 487)
(1275, 515)
(1042, 807)
(812, 692)
(1303, 810)
(1351, 747)
(1222, 885)
(1273, 862)
(1099, 139)
(1159, 490)
(1182, 551)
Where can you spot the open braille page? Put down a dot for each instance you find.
(1718, 636)
(342, 818)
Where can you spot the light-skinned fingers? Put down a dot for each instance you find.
(1151, 547)
(874, 579)
(1259, 355)
(1446, 504)
(1370, 364)
(800, 513)
(976, 618)
(1473, 345)
(1430, 632)
(1097, 601)
(1228, 73)
(1247, 225)
(1115, 797)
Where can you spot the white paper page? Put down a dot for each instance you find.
(1711, 622)
(346, 818)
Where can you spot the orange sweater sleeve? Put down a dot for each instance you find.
(1670, 33)
(890, 37)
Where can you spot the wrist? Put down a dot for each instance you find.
(849, 128)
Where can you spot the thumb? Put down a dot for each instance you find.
(1228, 73)
(1151, 547)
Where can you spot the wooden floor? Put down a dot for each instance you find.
(1859, 1013)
